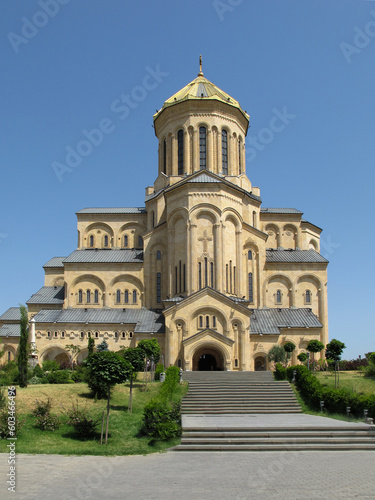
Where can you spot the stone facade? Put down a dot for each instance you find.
(215, 277)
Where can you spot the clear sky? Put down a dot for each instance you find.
(68, 65)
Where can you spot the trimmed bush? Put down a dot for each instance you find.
(280, 372)
(81, 421)
(50, 366)
(58, 377)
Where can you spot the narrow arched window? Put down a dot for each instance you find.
(96, 335)
(200, 275)
(239, 158)
(105, 240)
(158, 288)
(158, 255)
(126, 240)
(207, 322)
(205, 271)
(200, 321)
(88, 296)
(140, 241)
(80, 297)
(250, 280)
(134, 296)
(212, 275)
(202, 148)
(91, 239)
(308, 297)
(96, 296)
(224, 151)
(213, 321)
(118, 296)
(126, 297)
(165, 156)
(249, 255)
(278, 297)
(152, 219)
(180, 152)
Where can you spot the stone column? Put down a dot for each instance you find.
(170, 261)
(192, 271)
(217, 257)
(243, 350)
(174, 154)
(186, 152)
(195, 151)
(210, 151)
(239, 263)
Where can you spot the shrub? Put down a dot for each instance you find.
(38, 372)
(81, 421)
(159, 369)
(369, 370)
(79, 374)
(36, 380)
(9, 374)
(280, 373)
(50, 366)
(161, 419)
(9, 429)
(44, 420)
(58, 377)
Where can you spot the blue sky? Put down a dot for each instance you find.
(65, 64)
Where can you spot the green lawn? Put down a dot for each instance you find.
(350, 380)
(124, 428)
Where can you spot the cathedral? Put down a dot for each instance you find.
(202, 267)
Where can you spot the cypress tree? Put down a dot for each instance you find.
(22, 359)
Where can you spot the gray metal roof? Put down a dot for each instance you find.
(309, 256)
(55, 262)
(203, 177)
(144, 319)
(153, 195)
(118, 210)
(265, 210)
(12, 314)
(48, 295)
(12, 330)
(105, 256)
(269, 321)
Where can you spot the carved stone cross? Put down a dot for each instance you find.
(205, 240)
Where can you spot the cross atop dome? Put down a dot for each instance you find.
(200, 66)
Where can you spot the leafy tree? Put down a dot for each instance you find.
(333, 352)
(135, 356)
(90, 346)
(276, 354)
(102, 347)
(151, 349)
(314, 346)
(73, 350)
(289, 348)
(22, 359)
(107, 368)
(302, 356)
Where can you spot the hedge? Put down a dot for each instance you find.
(335, 400)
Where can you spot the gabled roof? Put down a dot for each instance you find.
(55, 262)
(308, 256)
(109, 255)
(109, 210)
(146, 321)
(265, 210)
(48, 295)
(269, 321)
(207, 332)
(11, 314)
(12, 330)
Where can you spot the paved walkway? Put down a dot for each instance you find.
(195, 476)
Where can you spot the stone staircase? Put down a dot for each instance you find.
(249, 411)
(237, 392)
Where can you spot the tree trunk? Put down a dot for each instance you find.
(130, 407)
(106, 429)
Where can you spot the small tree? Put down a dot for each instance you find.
(276, 354)
(110, 369)
(151, 349)
(90, 346)
(314, 346)
(102, 347)
(333, 352)
(73, 350)
(288, 348)
(302, 356)
(22, 358)
(136, 358)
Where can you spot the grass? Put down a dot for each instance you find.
(124, 428)
(353, 381)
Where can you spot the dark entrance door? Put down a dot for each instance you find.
(207, 362)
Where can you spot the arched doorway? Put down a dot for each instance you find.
(208, 359)
(260, 364)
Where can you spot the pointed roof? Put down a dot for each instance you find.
(199, 89)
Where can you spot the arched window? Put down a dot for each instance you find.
(200, 322)
(152, 219)
(224, 151)
(140, 241)
(106, 240)
(126, 297)
(158, 255)
(123, 335)
(254, 219)
(96, 335)
(200, 275)
(134, 296)
(91, 239)
(80, 297)
(118, 296)
(250, 278)
(180, 152)
(249, 255)
(96, 297)
(308, 297)
(82, 335)
(158, 288)
(207, 322)
(202, 148)
(239, 158)
(213, 321)
(212, 275)
(126, 240)
(205, 271)
(8, 355)
(88, 296)
(278, 297)
(165, 156)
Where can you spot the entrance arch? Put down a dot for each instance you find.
(208, 359)
(260, 364)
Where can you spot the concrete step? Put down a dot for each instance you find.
(279, 447)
